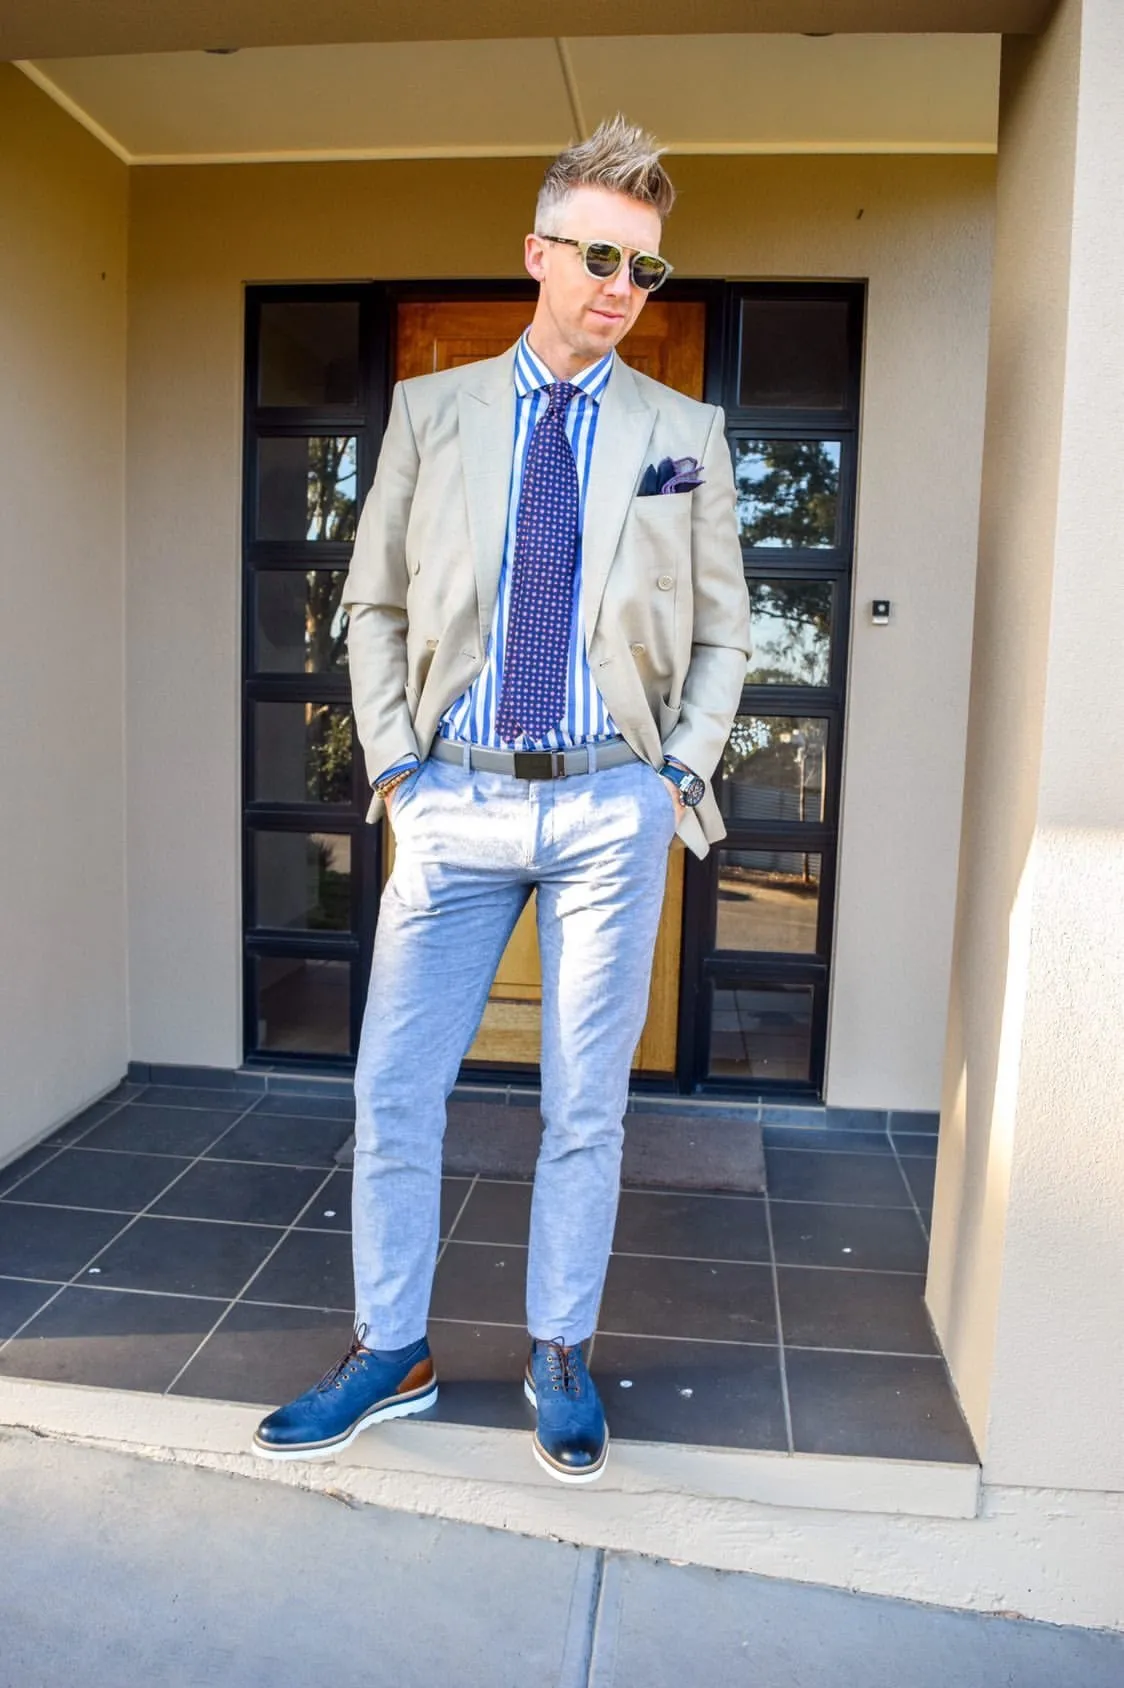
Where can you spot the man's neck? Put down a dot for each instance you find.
(562, 362)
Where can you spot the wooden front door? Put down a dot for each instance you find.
(668, 344)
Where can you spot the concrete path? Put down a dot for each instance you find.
(119, 1571)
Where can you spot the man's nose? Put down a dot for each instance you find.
(620, 285)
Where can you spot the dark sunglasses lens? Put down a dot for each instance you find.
(602, 259)
(647, 271)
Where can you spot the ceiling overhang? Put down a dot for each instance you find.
(37, 29)
(712, 94)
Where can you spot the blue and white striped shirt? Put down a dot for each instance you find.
(472, 718)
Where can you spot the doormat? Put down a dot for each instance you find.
(688, 1151)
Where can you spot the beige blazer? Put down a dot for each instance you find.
(663, 594)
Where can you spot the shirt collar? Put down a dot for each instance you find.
(531, 374)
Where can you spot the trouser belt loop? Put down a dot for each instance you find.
(466, 758)
(591, 759)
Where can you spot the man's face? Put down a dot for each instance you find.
(590, 316)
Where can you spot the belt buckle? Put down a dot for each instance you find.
(537, 764)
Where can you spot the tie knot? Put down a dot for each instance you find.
(559, 396)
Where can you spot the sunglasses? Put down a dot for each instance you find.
(603, 258)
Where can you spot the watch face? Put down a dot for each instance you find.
(691, 791)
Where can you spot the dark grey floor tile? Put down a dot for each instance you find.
(19, 1299)
(480, 1375)
(703, 1227)
(453, 1192)
(870, 1180)
(920, 1176)
(281, 1105)
(208, 1096)
(725, 1303)
(915, 1144)
(89, 1178)
(16, 1171)
(839, 1142)
(75, 1129)
(874, 1406)
(870, 1310)
(185, 1257)
(126, 1091)
(246, 1194)
(331, 1211)
(51, 1242)
(266, 1355)
(174, 1076)
(160, 1131)
(476, 1281)
(275, 1137)
(110, 1339)
(496, 1212)
(310, 1269)
(882, 1239)
(903, 1120)
(711, 1394)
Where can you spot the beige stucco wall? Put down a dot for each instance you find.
(1028, 1243)
(63, 202)
(919, 229)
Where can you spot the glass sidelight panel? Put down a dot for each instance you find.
(774, 769)
(768, 900)
(788, 493)
(307, 488)
(794, 354)
(302, 881)
(303, 753)
(308, 353)
(299, 626)
(762, 1032)
(791, 629)
(303, 1005)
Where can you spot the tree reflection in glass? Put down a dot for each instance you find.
(331, 488)
(775, 769)
(307, 488)
(791, 632)
(787, 492)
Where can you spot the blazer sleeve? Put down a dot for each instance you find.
(720, 644)
(374, 595)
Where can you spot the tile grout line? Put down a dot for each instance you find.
(117, 1235)
(287, 1232)
(57, 1148)
(445, 1240)
(785, 1400)
(707, 1259)
(912, 1197)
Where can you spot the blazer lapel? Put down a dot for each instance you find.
(624, 428)
(486, 421)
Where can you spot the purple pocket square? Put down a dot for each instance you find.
(672, 474)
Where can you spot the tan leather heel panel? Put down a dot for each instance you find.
(416, 1378)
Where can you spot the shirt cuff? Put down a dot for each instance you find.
(407, 765)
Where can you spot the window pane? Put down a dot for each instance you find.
(762, 1032)
(791, 632)
(302, 753)
(309, 353)
(300, 627)
(307, 488)
(774, 769)
(303, 880)
(787, 493)
(768, 900)
(794, 354)
(304, 1005)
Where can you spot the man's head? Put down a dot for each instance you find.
(610, 188)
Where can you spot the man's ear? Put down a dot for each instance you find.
(534, 257)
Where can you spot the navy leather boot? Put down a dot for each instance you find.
(359, 1390)
(571, 1439)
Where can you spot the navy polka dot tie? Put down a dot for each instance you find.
(533, 692)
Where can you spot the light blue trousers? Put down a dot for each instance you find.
(469, 848)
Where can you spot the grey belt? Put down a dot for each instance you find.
(535, 764)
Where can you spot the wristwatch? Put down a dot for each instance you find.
(690, 787)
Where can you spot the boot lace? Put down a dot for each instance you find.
(337, 1375)
(563, 1367)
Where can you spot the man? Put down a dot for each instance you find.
(548, 637)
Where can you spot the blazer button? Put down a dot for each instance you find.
(665, 582)
(431, 644)
(637, 650)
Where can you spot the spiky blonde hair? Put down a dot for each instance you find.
(619, 156)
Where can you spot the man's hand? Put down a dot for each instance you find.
(673, 792)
